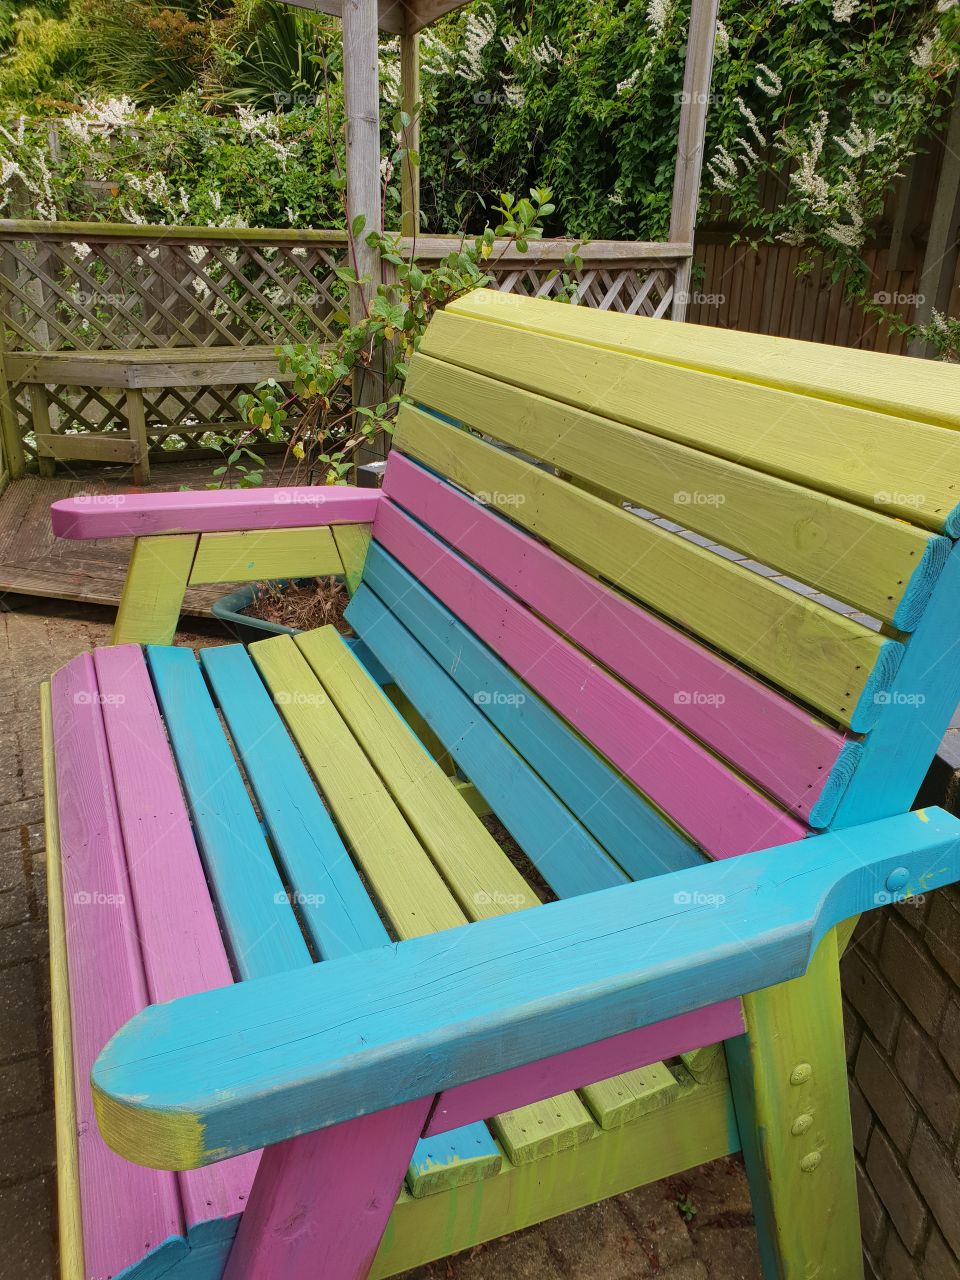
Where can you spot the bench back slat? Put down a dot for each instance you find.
(722, 812)
(787, 751)
(819, 656)
(882, 566)
(859, 454)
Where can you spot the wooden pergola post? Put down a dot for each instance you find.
(940, 257)
(361, 93)
(410, 137)
(697, 79)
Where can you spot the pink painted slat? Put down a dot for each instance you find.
(782, 747)
(126, 1210)
(180, 940)
(124, 515)
(579, 1067)
(320, 1202)
(722, 813)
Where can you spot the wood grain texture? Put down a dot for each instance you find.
(212, 511)
(880, 565)
(180, 938)
(578, 1067)
(330, 896)
(721, 812)
(265, 553)
(322, 1041)
(854, 453)
(567, 857)
(816, 654)
(153, 591)
(258, 919)
(353, 541)
(293, 1229)
(385, 834)
(107, 985)
(914, 712)
(849, 375)
(69, 1222)
(787, 751)
(698, 1127)
(635, 833)
(789, 1081)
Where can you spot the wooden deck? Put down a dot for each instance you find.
(34, 563)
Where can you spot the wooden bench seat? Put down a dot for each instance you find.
(436, 1036)
(134, 372)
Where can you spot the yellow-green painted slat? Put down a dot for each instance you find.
(706, 1064)
(478, 873)
(411, 892)
(814, 653)
(153, 592)
(623, 1099)
(697, 1128)
(889, 464)
(925, 392)
(265, 553)
(352, 542)
(847, 551)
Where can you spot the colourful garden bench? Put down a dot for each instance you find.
(311, 1019)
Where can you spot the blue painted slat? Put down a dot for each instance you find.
(405, 1021)
(636, 834)
(332, 901)
(259, 922)
(914, 712)
(567, 857)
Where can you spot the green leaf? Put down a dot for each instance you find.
(359, 222)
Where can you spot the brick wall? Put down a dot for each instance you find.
(901, 984)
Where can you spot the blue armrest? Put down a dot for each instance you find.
(212, 1075)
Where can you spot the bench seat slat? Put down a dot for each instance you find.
(180, 938)
(409, 889)
(259, 922)
(825, 659)
(107, 982)
(331, 898)
(722, 812)
(885, 567)
(787, 751)
(855, 453)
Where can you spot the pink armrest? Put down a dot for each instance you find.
(124, 515)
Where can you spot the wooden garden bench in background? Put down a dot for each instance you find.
(134, 371)
(343, 1033)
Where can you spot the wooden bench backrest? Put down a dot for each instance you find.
(724, 560)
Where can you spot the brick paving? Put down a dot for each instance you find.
(638, 1235)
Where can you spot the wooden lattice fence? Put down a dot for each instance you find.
(76, 287)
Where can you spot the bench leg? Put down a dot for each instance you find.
(137, 430)
(320, 1203)
(40, 414)
(153, 592)
(789, 1079)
